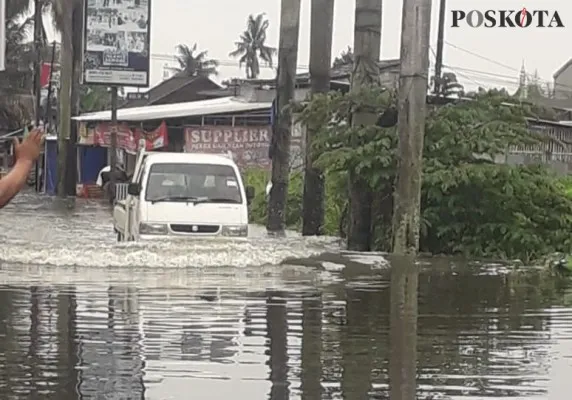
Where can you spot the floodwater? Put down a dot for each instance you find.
(290, 318)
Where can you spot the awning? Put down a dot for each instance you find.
(225, 105)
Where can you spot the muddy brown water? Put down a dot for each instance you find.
(86, 318)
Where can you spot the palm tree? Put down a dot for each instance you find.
(252, 46)
(194, 63)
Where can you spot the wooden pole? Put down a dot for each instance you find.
(415, 36)
(38, 47)
(38, 59)
(77, 43)
(64, 100)
(321, 30)
(113, 147)
(440, 43)
(282, 135)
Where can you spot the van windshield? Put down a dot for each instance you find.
(201, 182)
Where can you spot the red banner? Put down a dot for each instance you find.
(127, 138)
(249, 145)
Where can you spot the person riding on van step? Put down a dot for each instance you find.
(26, 153)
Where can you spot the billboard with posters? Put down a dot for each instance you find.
(116, 43)
(249, 145)
(127, 138)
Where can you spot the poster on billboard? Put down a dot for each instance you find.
(116, 43)
(248, 145)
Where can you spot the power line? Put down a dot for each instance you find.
(532, 77)
(223, 63)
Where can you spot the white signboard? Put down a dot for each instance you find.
(116, 43)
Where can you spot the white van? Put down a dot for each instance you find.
(183, 195)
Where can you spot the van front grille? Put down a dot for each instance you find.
(189, 228)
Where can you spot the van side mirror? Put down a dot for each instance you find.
(133, 189)
(250, 192)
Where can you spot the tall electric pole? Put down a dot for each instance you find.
(413, 78)
(64, 99)
(77, 55)
(282, 134)
(38, 45)
(440, 44)
(321, 30)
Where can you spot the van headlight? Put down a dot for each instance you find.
(235, 230)
(153, 229)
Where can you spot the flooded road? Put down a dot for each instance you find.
(86, 318)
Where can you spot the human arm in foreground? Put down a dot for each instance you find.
(26, 153)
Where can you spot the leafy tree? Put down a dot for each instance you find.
(195, 63)
(96, 98)
(345, 58)
(251, 48)
(470, 205)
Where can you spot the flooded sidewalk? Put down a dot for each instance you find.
(86, 318)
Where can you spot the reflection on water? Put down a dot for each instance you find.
(85, 318)
(463, 334)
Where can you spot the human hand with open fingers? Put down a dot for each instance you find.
(31, 147)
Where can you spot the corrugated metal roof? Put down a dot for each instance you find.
(165, 88)
(225, 105)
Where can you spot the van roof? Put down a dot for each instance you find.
(191, 158)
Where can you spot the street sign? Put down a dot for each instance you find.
(138, 96)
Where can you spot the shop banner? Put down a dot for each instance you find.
(249, 145)
(127, 138)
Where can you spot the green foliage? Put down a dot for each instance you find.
(496, 210)
(470, 205)
(335, 196)
(259, 178)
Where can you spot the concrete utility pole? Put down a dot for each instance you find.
(66, 76)
(113, 144)
(77, 45)
(38, 45)
(282, 135)
(440, 45)
(415, 36)
(320, 64)
(367, 48)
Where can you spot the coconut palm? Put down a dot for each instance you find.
(252, 46)
(195, 63)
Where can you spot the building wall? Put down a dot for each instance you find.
(563, 85)
(557, 153)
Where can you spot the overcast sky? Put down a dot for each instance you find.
(216, 24)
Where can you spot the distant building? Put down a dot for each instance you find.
(178, 88)
(264, 90)
(563, 82)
